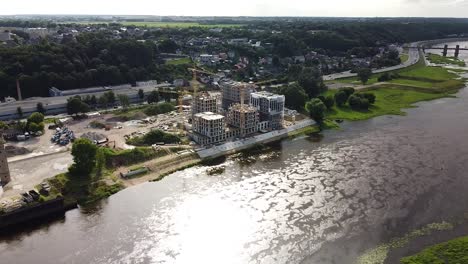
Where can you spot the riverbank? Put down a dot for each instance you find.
(405, 87)
(235, 146)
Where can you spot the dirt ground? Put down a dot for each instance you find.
(48, 159)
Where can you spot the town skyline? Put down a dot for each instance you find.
(300, 8)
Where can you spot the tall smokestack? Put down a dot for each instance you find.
(18, 90)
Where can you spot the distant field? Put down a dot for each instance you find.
(179, 61)
(164, 24)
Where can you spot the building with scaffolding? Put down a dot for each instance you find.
(208, 128)
(243, 118)
(270, 107)
(232, 92)
(206, 102)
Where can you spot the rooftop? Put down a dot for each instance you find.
(209, 116)
(243, 108)
(267, 95)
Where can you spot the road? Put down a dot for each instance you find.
(29, 172)
(413, 59)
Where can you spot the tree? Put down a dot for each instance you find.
(348, 90)
(368, 96)
(316, 109)
(102, 101)
(36, 118)
(36, 127)
(364, 74)
(100, 161)
(153, 97)
(124, 100)
(141, 94)
(358, 102)
(384, 77)
(329, 101)
(84, 157)
(295, 96)
(341, 97)
(75, 106)
(40, 108)
(110, 96)
(311, 80)
(19, 110)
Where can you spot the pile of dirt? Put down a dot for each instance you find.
(93, 136)
(12, 151)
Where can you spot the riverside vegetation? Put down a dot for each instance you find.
(397, 90)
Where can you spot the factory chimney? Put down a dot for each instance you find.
(18, 90)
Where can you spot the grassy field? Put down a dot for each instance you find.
(179, 61)
(84, 189)
(419, 75)
(454, 251)
(180, 24)
(160, 24)
(438, 59)
(389, 101)
(404, 57)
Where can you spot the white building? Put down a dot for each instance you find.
(270, 107)
(208, 128)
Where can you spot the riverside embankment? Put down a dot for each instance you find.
(309, 200)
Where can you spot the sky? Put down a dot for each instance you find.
(346, 8)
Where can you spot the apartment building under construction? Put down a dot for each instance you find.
(244, 118)
(208, 128)
(270, 107)
(206, 102)
(233, 92)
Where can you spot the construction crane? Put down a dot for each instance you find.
(241, 111)
(195, 89)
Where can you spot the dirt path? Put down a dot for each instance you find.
(160, 167)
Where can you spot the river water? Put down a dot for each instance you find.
(307, 200)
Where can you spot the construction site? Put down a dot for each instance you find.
(172, 133)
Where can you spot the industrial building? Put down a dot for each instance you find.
(208, 128)
(232, 92)
(58, 104)
(270, 107)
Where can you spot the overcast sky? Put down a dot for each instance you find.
(367, 8)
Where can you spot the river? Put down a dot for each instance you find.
(307, 200)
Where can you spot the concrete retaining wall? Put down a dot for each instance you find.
(25, 214)
(235, 146)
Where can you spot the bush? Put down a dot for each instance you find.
(161, 108)
(341, 97)
(329, 101)
(359, 101)
(36, 118)
(96, 124)
(369, 96)
(153, 137)
(384, 77)
(130, 156)
(348, 90)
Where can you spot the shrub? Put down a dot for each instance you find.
(153, 137)
(161, 108)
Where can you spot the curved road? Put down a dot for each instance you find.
(413, 59)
